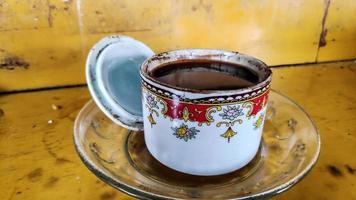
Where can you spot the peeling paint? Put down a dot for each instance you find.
(322, 42)
(12, 62)
(324, 30)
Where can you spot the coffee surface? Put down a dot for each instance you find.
(205, 75)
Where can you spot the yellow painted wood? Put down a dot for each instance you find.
(38, 159)
(266, 30)
(40, 45)
(340, 29)
(327, 93)
(45, 42)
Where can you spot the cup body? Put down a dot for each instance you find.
(203, 132)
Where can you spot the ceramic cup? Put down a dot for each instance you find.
(199, 132)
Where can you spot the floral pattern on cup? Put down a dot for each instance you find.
(151, 104)
(229, 133)
(230, 114)
(227, 115)
(150, 99)
(258, 122)
(184, 132)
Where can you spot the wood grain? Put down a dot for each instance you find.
(38, 159)
(326, 91)
(44, 43)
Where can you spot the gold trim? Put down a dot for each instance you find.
(209, 111)
(185, 114)
(164, 104)
(238, 120)
(155, 111)
(258, 122)
(223, 122)
(229, 124)
(198, 111)
(249, 106)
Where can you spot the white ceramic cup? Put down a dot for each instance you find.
(198, 132)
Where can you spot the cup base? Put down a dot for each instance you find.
(143, 161)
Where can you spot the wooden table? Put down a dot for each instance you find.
(38, 160)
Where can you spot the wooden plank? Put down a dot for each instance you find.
(47, 45)
(327, 93)
(339, 36)
(25, 15)
(38, 160)
(270, 31)
(41, 47)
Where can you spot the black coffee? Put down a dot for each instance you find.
(206, 75)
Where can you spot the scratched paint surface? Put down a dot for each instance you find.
(44, 42)
(340, 32)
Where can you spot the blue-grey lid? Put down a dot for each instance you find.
(113, 77)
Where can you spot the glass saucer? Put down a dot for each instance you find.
(289, 149)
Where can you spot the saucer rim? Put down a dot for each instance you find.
(141, 194)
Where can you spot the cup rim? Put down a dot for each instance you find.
(207, 54)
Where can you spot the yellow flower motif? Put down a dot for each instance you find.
(229, 133)
(185, 133)
(182, 131)
(151, 102)
(185, 114)
(151, 120)
(258, 122)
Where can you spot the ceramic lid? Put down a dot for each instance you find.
(112, 73)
